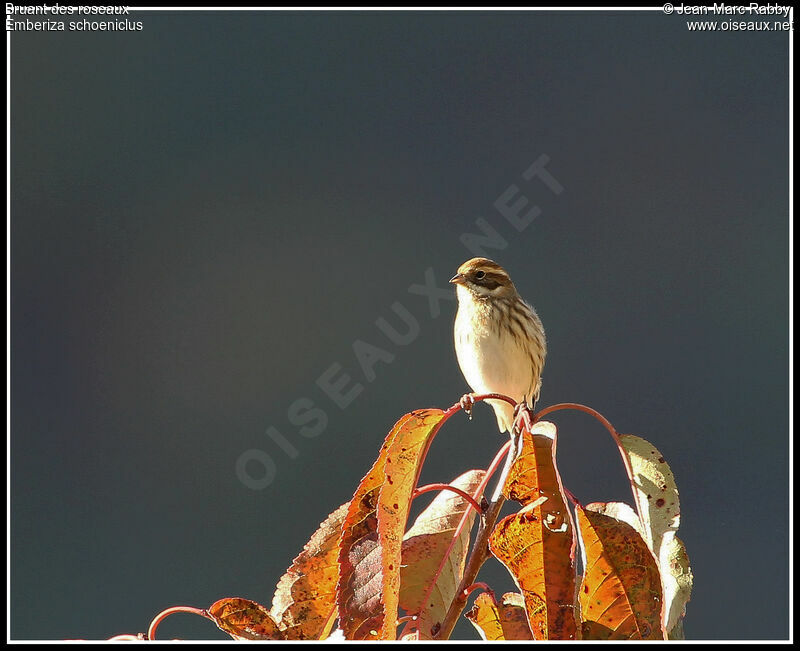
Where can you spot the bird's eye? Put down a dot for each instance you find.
(480, 275)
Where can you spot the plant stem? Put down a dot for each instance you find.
(478, 585)
(479, 554)
(447, 487)
(151, 632)
(611, 430)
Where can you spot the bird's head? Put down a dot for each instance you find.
(484, 278)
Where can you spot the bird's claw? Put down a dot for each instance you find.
(467, 402)
(523, 415)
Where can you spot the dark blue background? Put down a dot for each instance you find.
(207, 213)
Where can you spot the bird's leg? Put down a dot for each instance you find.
(516, 441)
(523, 415)
(467, 402)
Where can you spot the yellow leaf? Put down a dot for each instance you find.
(505, 621)
(304, 604)
(659, 511)
(676, 578)
(619, 511)
(656, 493)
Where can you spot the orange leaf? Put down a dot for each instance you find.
(369, 561)
(243, 619)
(358, 590)
(506, 621)
(620, 593)
(537, 544)
(403, 462)
(304, 604)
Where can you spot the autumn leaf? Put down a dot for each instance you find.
(619, 511)
(676, 580)
(656, 492)
(537, 543)
(504, 621)
(372, 534)
(243, 619)
(659, 510)
(304, 604)
(433, 559)
(403, 464)
(358, 590)
(620, 593)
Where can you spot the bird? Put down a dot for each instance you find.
(499, 339)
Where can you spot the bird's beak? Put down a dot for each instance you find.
(458, 279)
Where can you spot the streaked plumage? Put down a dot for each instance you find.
(499, 339)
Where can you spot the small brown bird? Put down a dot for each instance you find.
(500, 342)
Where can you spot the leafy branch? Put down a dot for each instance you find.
(366, 572)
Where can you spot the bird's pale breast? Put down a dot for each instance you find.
(491, 359)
